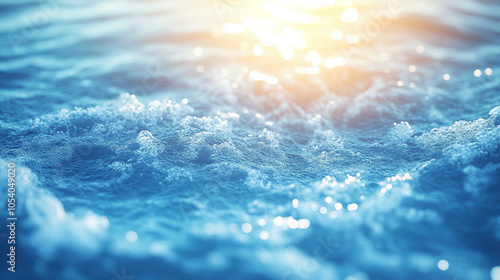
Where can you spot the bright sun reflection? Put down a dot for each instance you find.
(349, 15)
(307, 36)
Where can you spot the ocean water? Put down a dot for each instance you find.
(280, 139)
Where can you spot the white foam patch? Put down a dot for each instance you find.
(149, 145)
(113, 117)
(53, 228)
(401, 132)
(464, 140)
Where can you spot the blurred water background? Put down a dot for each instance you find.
(270, 139)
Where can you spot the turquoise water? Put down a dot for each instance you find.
(182, 140)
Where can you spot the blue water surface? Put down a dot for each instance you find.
(152, 141)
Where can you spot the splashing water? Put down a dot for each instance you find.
(272, 139)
